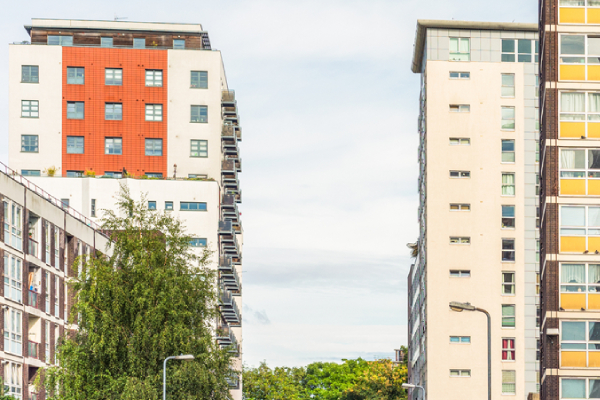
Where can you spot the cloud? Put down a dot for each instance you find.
(251, 316)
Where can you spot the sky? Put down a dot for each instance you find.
(329, 109)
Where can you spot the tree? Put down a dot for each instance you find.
(281, 383)
(152, 297)
(381, 380)
(327, 381)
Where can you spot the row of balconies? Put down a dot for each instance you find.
(229, 309)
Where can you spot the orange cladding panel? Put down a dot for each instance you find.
(133, 94)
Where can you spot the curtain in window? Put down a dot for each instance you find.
(572, 159)
(572, 273)
(508, 184)
(594, 106)
(594, 273)
(572, 102)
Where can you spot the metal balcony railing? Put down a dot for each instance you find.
(231, 281)
(228, 96)
(33, 349)
(229, 308)
(32, 248)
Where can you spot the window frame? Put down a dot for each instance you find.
(460, 75)
(113, 79)
(138, 40)
(510, 349)
(152, 205)
(13, 277)
(153, 112)
(168, 205)
(460, 273)
(30, 70)
(31, 172)
(25, 145)
(508, 152)
(201, 78)
(177, 44)
(198, 114)
(75, 79)
(73, 144)
(516, 54)
(30, 108)
(151, 77)
(199, 152)
(586, 287)
(508, 250)
(509, 316)
(107, 41)
(459, 54)
(75, 113)
(506, 218)
(507, 186)
(509, 284)
(513, 383)
(459, 108)
(13, 224)
(460, 207)
(13, 379)
(13, 331)
(460, 174)
(153, 148)
(113, 140)
(585, 56)
(202, 242)
(460, 373)
(188, 203)
(459, 141)
(513, 119)
(113, 111)
(460, 340)
(511, 89)
(62, 40)
(460, 240)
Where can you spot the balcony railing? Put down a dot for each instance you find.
(34, 299)
(231, 281)
(33, 349)
(32, 248)
(228, 96)
(229, 309)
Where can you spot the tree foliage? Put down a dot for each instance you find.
(151, 298)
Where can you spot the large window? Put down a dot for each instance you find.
(508, 217)
(30, 109)
(199, 148)
(508, 151)
(13, 222)
(113, 76)
(508, 85)
(508, 349)
(60, 40)
(13, 278)
(580, 172)
(113, 111)
(199, 80)
(508, 315)
(199, 114)
(508, 119)
(75, 144)
(580, 286)
(192, 206)
(113, 146)
(579, 229)
(520, 50)
(75, 75)
(154, 77)
(580, 344)
(509, 382)
(460, 49)
(579, 55)
(13, 331)
(30, 74)
(29, 143)
(508, 283)
(154, 147)
(579, 388)
(75, 109)
(153, 112)
(579, 115)
(13, 379)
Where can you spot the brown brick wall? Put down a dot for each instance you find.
(550, 388)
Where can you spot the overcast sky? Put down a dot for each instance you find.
(328, 107)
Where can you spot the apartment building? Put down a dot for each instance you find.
(39, 243)
(94, 105)
(478, 236)
(570, 237)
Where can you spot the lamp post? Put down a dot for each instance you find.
(411, 386)
(179, 357)
(460, 307)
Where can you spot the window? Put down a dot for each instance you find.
(154, 77)
(460, 339)
(460, 142)
(537, 151)
(30, 109)
(113, 76)
(154, 174)
(75, 144)
(47, 255)
(508, 151)
(460, 240)
(113, 174)
(60, 40)
(75, 75)
(460, 207)
(47, 338)
(179, 43)
(537, 251)
(521, 50)
(460, 108)
(577, 388)
(106, 42)
(579, 343)
(537, 217)
(153, 112)
(30, 74)
(508, 315)
(460, 49)
(460, 174)
(577, 54)
(75, 109)
(13, 277)
(579, 171)
(74, 174)
(508, 283)
(197, 176)
(199, 80)
(579, 229)
(29, 144)
(152, 205)
(509, 382)
(56, 249)
(199, 148)
(462, 373)
(198, 242)
(56, 295)
(168, 205)
(13, 379)
(113, 146)
(93, 208)
(154, 147)
(460, 273)
(192, 206)
(139, 43)
(508, 119)
(508, 184)
(13, 234)
(508, 217)
(113, 111)
(508, 250)
(579, 114)
(537, 184)
(508, 85)
(508, 349)
(13, 332)
(65, 202)
(460, 75)
(199, 114)
(579, 286)
(31, 172)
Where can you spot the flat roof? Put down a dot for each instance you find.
(113, 25)
(424, 24)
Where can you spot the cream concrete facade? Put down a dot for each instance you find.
(434, 358)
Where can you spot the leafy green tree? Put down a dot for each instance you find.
(280, 383)
(328, 380)
(381, 380)
(152, 297)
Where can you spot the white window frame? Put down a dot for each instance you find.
(509, 250)
(30, 109)
(513, 383)
(456, 141)
(534, 51)
(13, 331)
(507, 219)
(507, 186)
(459, 75)
(459, 108)
(56, 296)
(509, 348)
(460, 207)
(460, 339)
(154, 112)
(576, 59)
(460, 240)
(13, 277)
(508, 284)
(460, 273)
(505, 122)
(507, 89)
(154, 77)
(513, 316)
(507, 153)
(47, 341)
(110, 146)
(586, 287)
(459, 55)
(13, 379)
(13, 224)
(460, 373)
(113, 76)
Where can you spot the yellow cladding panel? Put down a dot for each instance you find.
(593, 16)
(594, 359)
(572, 73)
(572, 301)
(572, 186)
(593, 244)
(572, 15)
(594, 187)
(572, 359)
(593, 130)
(572, 244)
(593, 72)
(572, 129)
(593, 301)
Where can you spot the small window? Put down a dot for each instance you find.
(508, 349)
(29, 143)
(463, 108)
(75, 75)
(30, 74)
(154, 77)
(179, 43)
(508, 250)
(508, 85)
(113, 111)
(113, 77)
(75, 109)
(460, 141)
(113, 146)
(460, 75)
(106, 42)
(508, 119)
(199, 114)
(113, 174)
(199, 148)
(154, 174)
(153, 112)
(65, 202)
(198, 176)
(30, 109)
(169, 205)
(58, 40)
(139, 43)
(508, 315)
(508, 217)
(192, 206)
(537, 151)
(508, 283)
(460, 174)
(508, 184)
(151, 205)
(199, 80)
(75, 144)
(93, 208)
(460, 339)
(460, 240)
(154, 147)
(460, 49)
(460, 373)
(460, 207)
(74, 174)
(509, 382)
(198, 242)
(460, 273)
(31, 172)
(508, 151)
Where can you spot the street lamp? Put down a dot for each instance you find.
(179, 357)
(460, 307)
(411, 386)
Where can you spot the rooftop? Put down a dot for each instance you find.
(113, 25)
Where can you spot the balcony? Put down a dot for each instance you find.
(229, 176)
(229, 209)
(227, 339)
(234, 382)
(231, 281)
(34, 299)
(229, 243)
(229, 308)
(32, 248)
(33, 349)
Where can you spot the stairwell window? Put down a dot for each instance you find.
(460, 49)
(509, 382)
(460, 240)
(460, 174)
(460, 207)
(460, 75)
(460, 141)
(508, 151)
(508, 119)
(463, 108)
(30, 109)
(508, 315)
(508, 184)
(508, 283)
(508, 250)
(508, 85)
(508, 217)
